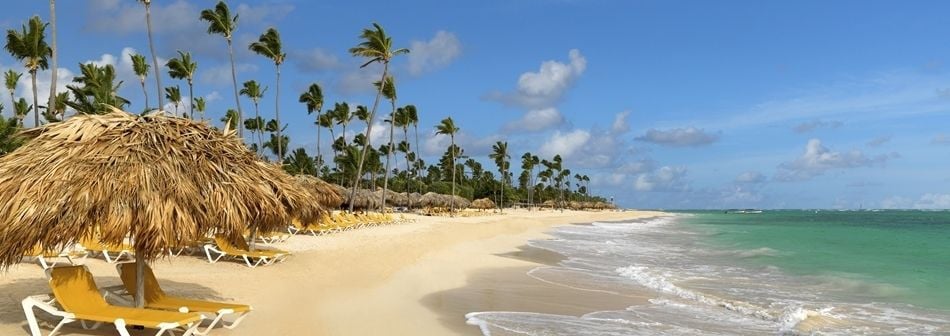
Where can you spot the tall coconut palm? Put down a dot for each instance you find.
(412, 116)
(388, 87)
(326, 121)
(173, 93)
(21, 108)
(184, 67)
(29, 46)
(343, 116)
(501, 157)
(377, 48)
(140, 67)
(199, 104)
(53, 53)
(255, 92)
(10, 79)
(313, 99)
(151, 47)
(402, 120)
(222, 23)
(447, 127)
(270, 46)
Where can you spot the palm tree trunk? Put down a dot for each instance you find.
(280, 139)
(191, 101)
(405, 135)
(237, 100)
(144, 92)
(369, 129)
(319, 156)
(52, 88)
(452, 207)
(501, 205)
(389, 154)
(259, 132)
(151, 46)
(415, 126)
(36, 101)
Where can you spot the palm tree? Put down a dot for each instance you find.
(173, 93)
(402, 120)
(53, 54)
(222, 23)
(447, 127)
(377, 47)
(29, 46)
(388, 87)
(98, 90)
(140, 67)
(184, 68)
(269, 45)
(326, 120)
(151, 47)
(200, 105)
(21, 108)
(255, 92)
(343, 116)
(10, 79)
(501, 157)
(412, 115)
(231, 120)
(313, 99)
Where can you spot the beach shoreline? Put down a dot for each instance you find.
(413, 278)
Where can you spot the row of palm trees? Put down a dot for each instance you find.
(97, 87)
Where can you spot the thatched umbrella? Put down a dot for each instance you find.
(363, 199)
(460, 202)
(157, 179)
(324, 193)
(483, 203)
(432, 200)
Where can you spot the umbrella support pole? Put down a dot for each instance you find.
(139, 281)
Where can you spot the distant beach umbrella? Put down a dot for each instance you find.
(156, 179)
(325, 194)
(483, 203)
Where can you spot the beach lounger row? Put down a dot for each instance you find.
(224, 247)
(344, 221)
(75, 297)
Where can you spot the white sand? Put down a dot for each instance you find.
(406, 279)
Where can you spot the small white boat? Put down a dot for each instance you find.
(746, 211)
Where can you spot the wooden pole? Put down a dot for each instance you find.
(139, 281)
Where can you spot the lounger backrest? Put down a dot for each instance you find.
(229, 247)
(75, 289)
(153, 292)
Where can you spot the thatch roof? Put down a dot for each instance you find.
(157, 179)
(483, 203)
(364, 199)
(325, 194)
(460, 202)
(393, 198)
(433, 200)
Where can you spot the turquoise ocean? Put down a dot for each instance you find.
(781, 272)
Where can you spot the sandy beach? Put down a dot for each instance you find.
(414, 278)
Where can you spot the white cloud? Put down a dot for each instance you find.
(438, 52)
(878, 141)
(547, 86)
(750, 177)
(666, 178)
(436, 144)
(536, 120)
(926, 201)
(213, 96)
(620, 124)
(360, 80)
(940, 139)
(315, 60)
(564, 143)
(809, 126)
(817, 159)
(263, 14)
(679, 137)
(221, 74)
(24, 88)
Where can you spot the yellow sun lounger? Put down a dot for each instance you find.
(155, 298)
(224, 247)
(119, 251)
(78, 299)
(44, 257)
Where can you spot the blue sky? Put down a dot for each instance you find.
(665, 104)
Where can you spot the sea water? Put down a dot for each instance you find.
(775, 273)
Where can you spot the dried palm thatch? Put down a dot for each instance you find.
(483, 203)
(157, 179)
(460, 202)
(433, 200)
(364, 199)
(324, 193)
(393, 198)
